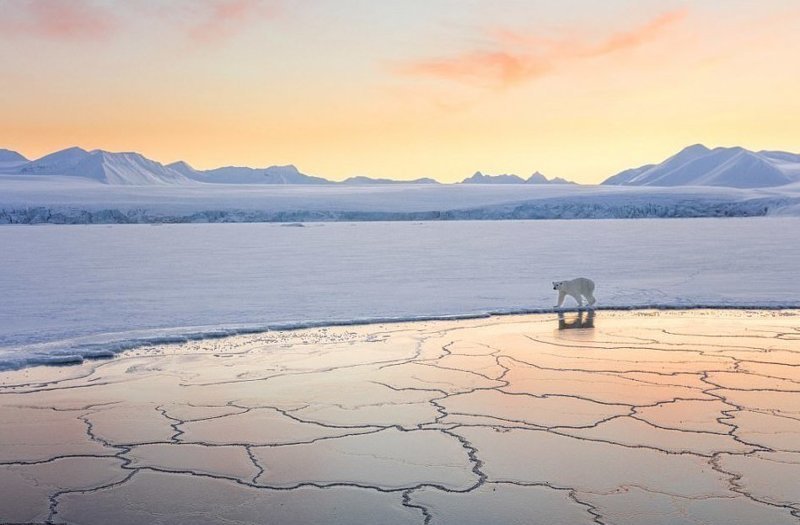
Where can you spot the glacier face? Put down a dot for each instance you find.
(74, 200)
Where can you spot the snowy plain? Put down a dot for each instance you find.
(93, 290)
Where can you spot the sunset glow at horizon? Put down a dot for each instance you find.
(574, 89)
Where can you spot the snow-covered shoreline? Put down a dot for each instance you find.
(84, 291)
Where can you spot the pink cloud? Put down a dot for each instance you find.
(640, 35)
(72, 20)
(219, 20)
(480, 67)
(515, 58)
(202, 22)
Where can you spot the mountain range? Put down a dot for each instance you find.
(243, 175)
(361, 179)
(695, 165)
(536, 178)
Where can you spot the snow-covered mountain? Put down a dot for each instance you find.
(131, 168)
(125, 169)
(103, 166)
(243, 175)
(535, 178)
(698, 165)
(360, 179)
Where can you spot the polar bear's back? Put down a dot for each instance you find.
(581, 285)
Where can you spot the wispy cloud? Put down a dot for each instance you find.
(72, 20)
(640, 35)
(512, 58)
(199, 21)
(482, 67)
(219, 20)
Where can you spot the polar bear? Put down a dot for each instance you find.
(575, 288)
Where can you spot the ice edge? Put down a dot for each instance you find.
(73, 355)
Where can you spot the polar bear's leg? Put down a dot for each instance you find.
(590, 294)
(578, 298)
(561, 296)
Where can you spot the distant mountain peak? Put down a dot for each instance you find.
(537, 178)
(8, 156)
(70, 150)
(57, 162)
(364, 180)
(696, 148)
(289, 174)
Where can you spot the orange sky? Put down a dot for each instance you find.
(575, 89)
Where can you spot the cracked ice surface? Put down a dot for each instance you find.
(644, 418)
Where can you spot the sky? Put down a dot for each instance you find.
(579, 89)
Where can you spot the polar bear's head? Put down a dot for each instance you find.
(557, 285)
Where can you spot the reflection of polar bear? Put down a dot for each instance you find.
(575, 288)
